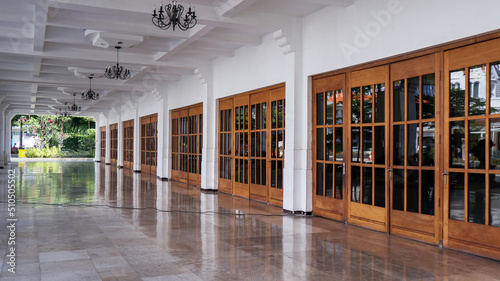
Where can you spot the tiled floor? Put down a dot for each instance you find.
(86, 221)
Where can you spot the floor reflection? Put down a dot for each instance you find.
(145, 228)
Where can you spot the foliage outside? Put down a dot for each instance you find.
(57, 136)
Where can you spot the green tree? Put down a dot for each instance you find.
(47, 128)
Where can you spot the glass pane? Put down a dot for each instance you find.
(281, 114)
(367, 104)
(367, 185)
(229, 168)
(379, 145)
(245, 146)
(319, 143)
(494, 142)
(237, 118)
(457, 93)
(339, 106)
(399, 100)
(329, 144)
(264, 143)
(263, 172)
(355, 148)
(414, 98)
(356, 105)
(457, 144)
(229, 121)
(477, 189)
(257, 117)
(254, 118)
(457, 199)
(257, 145)
(413, 144)
(427, 192)
(367, 145)
(253, 144)
(477, 144)
(246, 117)
(398, 193)
(281, 144)
(274, 149)
(339, 149)
(273, 174)
(264, 116)
(280, 175)
(477, 90)
(380, 187)
(495, 200)
(428, 141)
(399, 144)
(236, 171)
(338, 181)
(329, 180)
(495, 88)
(320, 114)
(246, 171)
(429, 96)
(256, 171)
(330, 98)
(355, 183)
(379, 101)
(412, 190)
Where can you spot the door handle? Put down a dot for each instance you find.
(390, 173)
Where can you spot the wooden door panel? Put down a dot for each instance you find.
(415, 96)
(368, 216)
(329, 145)
(226, 146)
(241, 109)
(368, 148)
(276, 147)
(258, 182)
(471, 155)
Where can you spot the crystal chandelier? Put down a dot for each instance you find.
(89, 94)
(64, 113)
(117, 71)
(74, 107)
(174, 17)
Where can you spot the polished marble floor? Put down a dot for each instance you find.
(88, 221)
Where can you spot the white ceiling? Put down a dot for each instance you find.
(46, 46)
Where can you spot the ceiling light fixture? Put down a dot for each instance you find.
(64, 113)
(89, 94)
(74, 107)
(117, 71)
(174, 17)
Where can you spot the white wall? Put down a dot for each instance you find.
(368, 30)
(251, 68)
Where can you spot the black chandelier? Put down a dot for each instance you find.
(74, 107)
(117, 71)
(89, 94)
(64, 113)
(174, 17)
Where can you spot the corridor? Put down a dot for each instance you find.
(90, 221)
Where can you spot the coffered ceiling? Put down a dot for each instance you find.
(48, 48)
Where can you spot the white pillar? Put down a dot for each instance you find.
(162, 150)
(97, 156)
(297, 182)
(209, 163)
(137, 142)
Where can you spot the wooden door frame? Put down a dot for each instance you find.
(149, 119)
(102, 144)
(128, 125)
(176, 173)
(335, 209)
(359, 213)
(113, 143)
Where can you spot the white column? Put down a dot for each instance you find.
(97, 155)
(3, 144)
(209, 163)
(107, 158)
(137, 142)
(7, 136)
(162, 140)
(297, 182)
